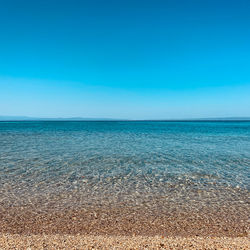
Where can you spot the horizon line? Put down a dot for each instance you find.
(28, 118)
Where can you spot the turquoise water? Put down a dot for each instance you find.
(82, 163)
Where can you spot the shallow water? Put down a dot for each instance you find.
(76, 164)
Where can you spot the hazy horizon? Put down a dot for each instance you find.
(28, 118)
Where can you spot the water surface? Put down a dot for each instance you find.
(153, 165)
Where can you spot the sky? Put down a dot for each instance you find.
(170, 59)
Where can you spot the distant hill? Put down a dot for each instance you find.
(27, 118)
(14, 118)
(227, 119)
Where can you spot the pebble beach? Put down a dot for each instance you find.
(123, 229)
(12, 241)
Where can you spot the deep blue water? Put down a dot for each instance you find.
(135, 160)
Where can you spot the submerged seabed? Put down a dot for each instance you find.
(125, 177)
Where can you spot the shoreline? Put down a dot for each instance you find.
(139, 224)
(43, 241)
(231, 221)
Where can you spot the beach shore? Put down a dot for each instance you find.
(127, 221)
(16, 241)
(124, 228)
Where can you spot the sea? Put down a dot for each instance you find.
(60, 165)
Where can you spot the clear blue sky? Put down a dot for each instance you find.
(125, 59)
